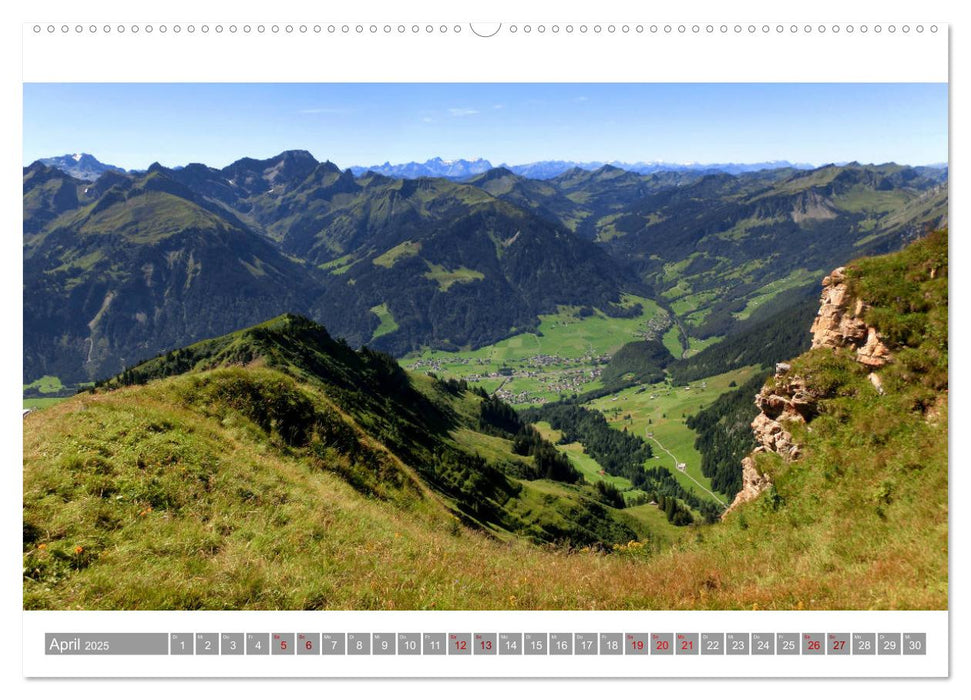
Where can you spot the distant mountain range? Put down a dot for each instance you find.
(434, 167)
(133, 264)
(85, 166)
(547, 169)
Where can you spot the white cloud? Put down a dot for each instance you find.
(462, 111)
(498, 106)
(581, 98)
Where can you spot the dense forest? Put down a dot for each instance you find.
(784, 335)
(550, 463)
(676, 513)
(639, 362)
(619, 453)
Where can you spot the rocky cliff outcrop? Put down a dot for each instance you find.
(753, 484)
(786, 399)
(783, 400)
(840, 323)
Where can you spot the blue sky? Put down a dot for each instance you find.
(133, 125)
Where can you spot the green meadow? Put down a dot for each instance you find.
(387, 325)
(659, 411)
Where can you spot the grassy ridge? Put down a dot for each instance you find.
(171, 495)
(869, 501)
(434, 426)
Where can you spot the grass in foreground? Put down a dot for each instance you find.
(132, 502)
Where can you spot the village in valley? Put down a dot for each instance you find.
(535, 380)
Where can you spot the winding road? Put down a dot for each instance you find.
(677, 465)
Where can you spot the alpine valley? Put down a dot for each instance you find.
(286, 385)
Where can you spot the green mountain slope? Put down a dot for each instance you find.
(48, 192)
(451, 264)
(720, 248)
(717, 247)
(142, 265)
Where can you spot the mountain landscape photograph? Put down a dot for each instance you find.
(485, 346)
